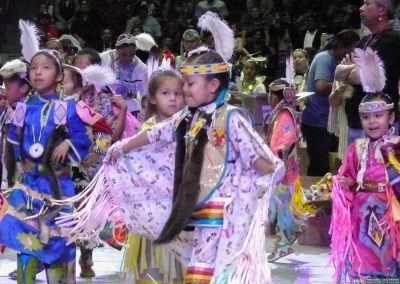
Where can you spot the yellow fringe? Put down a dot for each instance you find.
(298, 206)
(393, 161)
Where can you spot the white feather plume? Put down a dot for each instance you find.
(165, 64)
(99, 76)
(371, 69)
(222, 34)
(289, 65)
(144, 42)
(29, 39)
(12, 67)
(152, 65)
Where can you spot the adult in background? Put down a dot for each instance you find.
(377, 16)
(190, 41)
(65, 11)
(315, 113)
(130, 70)
(216, 6)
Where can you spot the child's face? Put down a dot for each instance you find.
(169, 98)
(14, 90)
(44, 75)
(82, 61)
(69, 88)
(376, 124)
(300, 61)
(249, 71)
(273, 100)
(199, 90)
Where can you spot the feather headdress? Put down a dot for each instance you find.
(144, 42)
(99, 76)
(371, 68)
(289, 65)
(12, 67)
(29, 39)
(221, 32)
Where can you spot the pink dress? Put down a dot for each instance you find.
(362, 241)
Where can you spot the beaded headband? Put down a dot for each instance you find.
(204, 69)
(374, 106)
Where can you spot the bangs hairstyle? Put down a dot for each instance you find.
(53, 55)
(156, 80)
(210, 57)
(76, 76)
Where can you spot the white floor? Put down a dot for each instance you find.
(308, 265)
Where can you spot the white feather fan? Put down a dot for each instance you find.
(99, 76)
(371, 69)
(29, 39)
(222, 34)
(144, 42)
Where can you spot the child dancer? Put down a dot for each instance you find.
(282, 138)
(45, 142)
(218, 160)
(47, 135)
(365, 242)
(251, 83)
(164, 98)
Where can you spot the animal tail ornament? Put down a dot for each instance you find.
(96, 207)
(371, 68)
(29, 39)
(221, 32)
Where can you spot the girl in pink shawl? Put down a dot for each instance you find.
(365, 232)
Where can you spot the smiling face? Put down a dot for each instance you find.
(168, 98)
(199, 90)
(44, 74)
(376, 124)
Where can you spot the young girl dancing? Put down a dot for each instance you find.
(47, 136)
(365, 233)
(283, 137)
(202, 208)
(164, 99)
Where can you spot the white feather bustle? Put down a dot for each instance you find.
(221, 32)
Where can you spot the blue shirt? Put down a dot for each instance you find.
(316, 109)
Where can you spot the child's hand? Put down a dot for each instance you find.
(60, 153)
(345, 181)
(113, 153)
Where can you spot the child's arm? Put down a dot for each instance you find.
(60, 153)
(264, 166)
(134, 143)
(120, 103)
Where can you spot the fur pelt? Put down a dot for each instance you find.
(186, 183)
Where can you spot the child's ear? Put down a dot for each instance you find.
(214, 84)
(24, 88)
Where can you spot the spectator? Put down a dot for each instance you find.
(86, 28)
(107, 41)
(253, 21)
(315, 114)
(312, 36)
(216, 6)
(377, 16)
(45, 27)
(65, 11)
(130, 70)
(190, 41)
(150, 24)
(112, 14)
